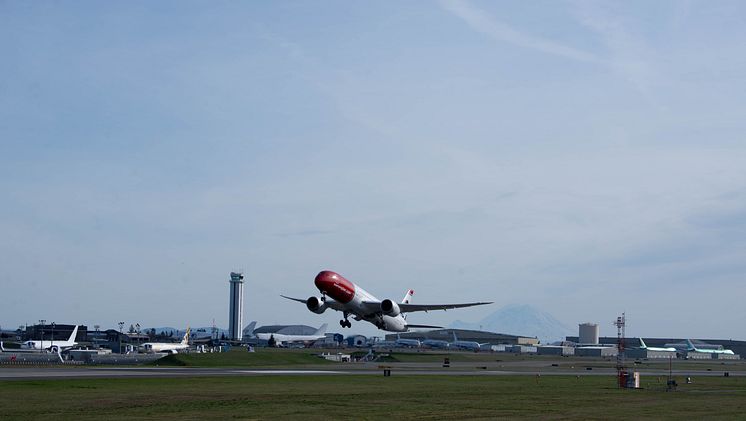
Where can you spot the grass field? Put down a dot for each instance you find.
(369, 397)
(263, 357)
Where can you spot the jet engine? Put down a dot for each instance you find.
(315, 305)
(389, 308)
(54, 349)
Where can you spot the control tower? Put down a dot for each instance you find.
(235, 317)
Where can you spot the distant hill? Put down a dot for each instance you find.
(523, 320)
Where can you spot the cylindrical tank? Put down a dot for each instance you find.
(588, 333)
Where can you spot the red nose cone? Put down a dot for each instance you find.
(335, 285)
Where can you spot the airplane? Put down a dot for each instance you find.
(652, 348)
(385, 344)
(436, 343)
(691, 348)
(282, 340)
(53, 346)
(407, 343)
(470, 345)
(171, 348)
(17, 350)
(342, 295)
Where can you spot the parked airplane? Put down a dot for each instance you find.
(470, 345)
(692, 348)
(171, 348)
(436, 343)
(342, 295)
(282, 340)
(53, 346)
(407, 343)
(17, 350)
(652, 348)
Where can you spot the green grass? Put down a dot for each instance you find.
(263, 357)
(369, 397)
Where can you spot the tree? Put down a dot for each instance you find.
(132, 329)
(271, 342)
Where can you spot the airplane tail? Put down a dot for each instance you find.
(642, 344)
(185, 341)
(73, 335)
(321, 330)
(407, 299)
(690, 346)
(249, 330)
(455, 338)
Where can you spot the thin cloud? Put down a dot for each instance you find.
(481, 21)
(630, 55)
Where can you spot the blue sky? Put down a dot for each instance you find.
(583, 157)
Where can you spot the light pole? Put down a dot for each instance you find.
(137, 329)
(121, 326)
(52, 345)
(41, 322)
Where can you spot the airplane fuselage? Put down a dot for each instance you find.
(164, 347)
(281, 338)
(346, 296)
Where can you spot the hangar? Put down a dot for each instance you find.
(466, 335)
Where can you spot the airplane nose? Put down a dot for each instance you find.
(325, 280)
(335, 286)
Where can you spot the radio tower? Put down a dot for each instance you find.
(620, 368)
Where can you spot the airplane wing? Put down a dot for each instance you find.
(410, 308)
(375, 306)
(294, 299)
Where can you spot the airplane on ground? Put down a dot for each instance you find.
(436, 343)
(53, 346)
(385, 344)
(171, 348)
(470, 345)
(407, 343)
(17, 350)
(342, 295)
(652, 348)
(691, 348)
(283, 340)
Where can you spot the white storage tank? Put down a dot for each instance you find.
(588, 334)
